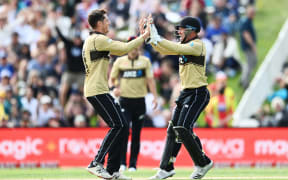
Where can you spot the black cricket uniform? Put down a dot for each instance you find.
(133, 87)
(193, 98)
(96, 50)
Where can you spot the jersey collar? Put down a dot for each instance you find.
(95, 32)
(196, 37)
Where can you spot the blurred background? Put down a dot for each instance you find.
(41, 45)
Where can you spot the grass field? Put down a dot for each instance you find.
(141, 174)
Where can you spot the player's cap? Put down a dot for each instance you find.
(190, 23)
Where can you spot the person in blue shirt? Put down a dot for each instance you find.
(248, 45)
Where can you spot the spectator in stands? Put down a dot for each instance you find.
(80, 121)
(4, 64)
(25, 121)
(281, 114)
(14, 118)
(45, 111)
(25, 52)
(120, 13)
(221, 9)
(226, 55)
(209, 48)
(35, 82)
(5, 79)
(3, 115)
(15, 45)
(219, 112)
(156, 115)
(197, 9)
(167, 71)
(30, 104)
(215, 29)
(231, 23)
(248, 44)
(282, 92)
(74, 74)
(76, 105)
(41, 64)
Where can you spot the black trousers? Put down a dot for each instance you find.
(110, 111)
(134, 110)
(190, 104)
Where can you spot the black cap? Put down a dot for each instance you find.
(190, 23)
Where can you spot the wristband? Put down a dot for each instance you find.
(111, 88)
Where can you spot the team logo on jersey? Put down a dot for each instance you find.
(182, 60)
(133, 73)
(190, 59)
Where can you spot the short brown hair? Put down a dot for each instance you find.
(95, 16)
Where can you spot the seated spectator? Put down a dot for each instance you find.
(75, 106)
(45, 111)
(209, 49)
(215, 29)
(281, 114)
(226, 55)
(156, 115)
(15, 45)
(41, 64)
(4, 64)
(232, 23)
(119, 13)
(219, 112)
(282, 89)
(30, 104)
(3, 115)
(25, 121)
(166, 71)
(80, 121)
(5, 79)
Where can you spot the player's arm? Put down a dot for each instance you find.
(248, 38)
(162, 50)
(114, 74)
(62, 37)
(113, 78)
(192, 48)
(117, 48)
(151, 83)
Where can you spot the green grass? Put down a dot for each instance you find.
(181, 173)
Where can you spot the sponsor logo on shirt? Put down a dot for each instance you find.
(133, 73)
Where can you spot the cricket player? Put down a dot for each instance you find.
(193, 98)
(96, 50)
(135, 74)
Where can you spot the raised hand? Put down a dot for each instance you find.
(142, 25)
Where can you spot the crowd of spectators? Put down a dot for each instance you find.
(274, 111)
(41, 68)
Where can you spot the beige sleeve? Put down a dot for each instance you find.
(192, 48)
(103, 43)
(115, 69)
(163, 51)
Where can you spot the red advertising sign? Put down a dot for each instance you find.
(77, 147)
